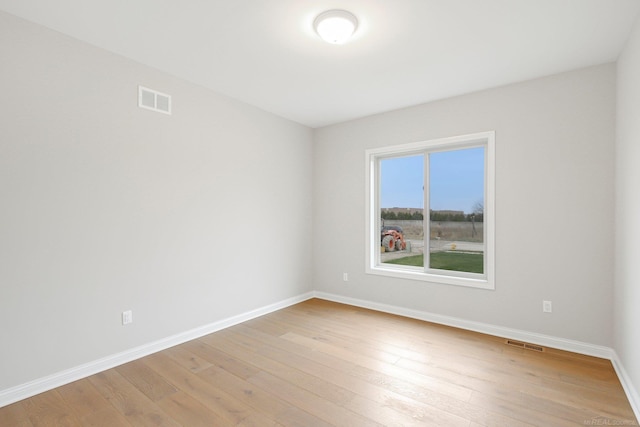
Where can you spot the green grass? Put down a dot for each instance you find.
(456, 261)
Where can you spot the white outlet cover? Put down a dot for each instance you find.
(127, 317)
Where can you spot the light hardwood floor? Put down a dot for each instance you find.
(325, 364)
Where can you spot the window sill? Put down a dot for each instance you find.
(419, 274)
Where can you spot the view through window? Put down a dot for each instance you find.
(430, 203)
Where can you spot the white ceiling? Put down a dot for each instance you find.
(405, 52)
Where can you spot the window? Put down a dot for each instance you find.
(430, 210)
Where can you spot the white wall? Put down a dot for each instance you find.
(627, 249)
(554, 204)
(184, 219)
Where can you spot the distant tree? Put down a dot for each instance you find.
(447, 216)
(437, 216)
(386, 214)
(404, 215)
(478, 211)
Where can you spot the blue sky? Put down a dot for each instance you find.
(457, 180)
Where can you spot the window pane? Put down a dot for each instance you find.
(401, 210)
(456, 202)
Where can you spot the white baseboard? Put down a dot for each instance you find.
(485, 328)
(40, 385)
(500, 331)
(627, 385)
(23, 391)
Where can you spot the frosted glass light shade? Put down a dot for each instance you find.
(336, 26)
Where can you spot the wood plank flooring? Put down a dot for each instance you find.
(320, 363)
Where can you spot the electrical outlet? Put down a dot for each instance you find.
(345, 277)
(546, 307)
(127, 317)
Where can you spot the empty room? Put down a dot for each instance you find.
(328, 213)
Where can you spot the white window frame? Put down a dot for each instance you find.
(373, 221)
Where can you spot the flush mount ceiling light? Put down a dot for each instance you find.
(335, 26)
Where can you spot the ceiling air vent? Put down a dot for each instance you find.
(525, 345)
(154, 100)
